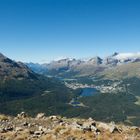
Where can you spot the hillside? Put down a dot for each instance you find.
(18, 83)
(41, 127)
(10, 69)
(120, 107)
(128, 70)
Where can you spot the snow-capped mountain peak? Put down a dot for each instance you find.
(72, 63)
(127, 55)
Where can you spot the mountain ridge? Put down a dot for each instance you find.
(91, 67)
(115, 55)
(10, 69)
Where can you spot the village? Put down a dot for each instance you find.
(104, 88)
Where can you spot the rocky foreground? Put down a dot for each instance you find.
(41, 127)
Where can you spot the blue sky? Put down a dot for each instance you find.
(43, 30)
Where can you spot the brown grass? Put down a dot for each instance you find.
(3, 117)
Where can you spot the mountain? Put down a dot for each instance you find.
(17, 81)
(72, 68)
(111, 60)
(122, 58)
(95, 61)
(123, 71)
(10, 69)
(122, 66)
(36, 67)
(128, 57)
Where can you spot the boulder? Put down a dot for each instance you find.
(113, 128)
(40, 116)
(41, 128)
(38, 132)
(54, 118)
(6, 129)
(110, 127)
(89, 125)
(22, 115)
(25, 124)
(18, 129)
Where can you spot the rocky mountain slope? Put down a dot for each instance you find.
(41, 127)
(10, 69)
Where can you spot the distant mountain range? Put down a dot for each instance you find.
(91, 67)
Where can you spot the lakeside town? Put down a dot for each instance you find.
(112, 88)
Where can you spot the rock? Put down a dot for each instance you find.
(71, 138)
(18, 129)
(29, 125)
(135, 129)
(91, 120)
(68, 129)
(54, 118)
(22, 115)
(93, 128)
(97, 132)
(62, 131)
(38, 132)
(103, 125)
(9, 128)
(63, 124)
(75, 126)
(25, 124)
(89, 125)
(40, 128)
(40, 116)
(113, 128)
(6, 129)
(79, 123)
(31, 132)
(110, 127)
(2, 130)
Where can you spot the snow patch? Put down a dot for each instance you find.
(123, 56)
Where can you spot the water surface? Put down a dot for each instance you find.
(88, 92)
